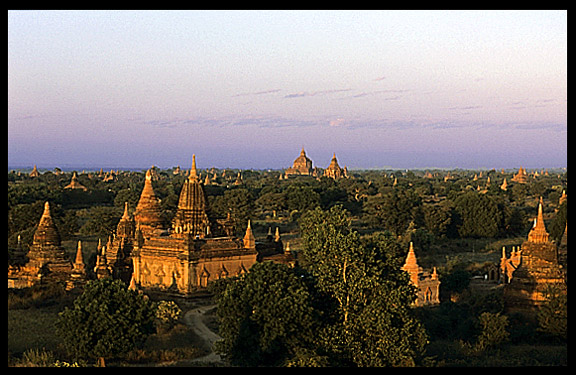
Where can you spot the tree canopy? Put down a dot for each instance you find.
(107, 320)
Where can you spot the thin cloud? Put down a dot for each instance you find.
(303, 94)
(380, 78)
(464, 108)
(378, 92)
(257, 93)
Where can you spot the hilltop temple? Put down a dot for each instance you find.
(531, 270)
(428, 285)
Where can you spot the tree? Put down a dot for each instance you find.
(266, 317)
(301, 198)
(395, 210)
(493, 333)
(437, 219)
(374, 323)
(107, 320)
(239, 202)
(553, 314)
(479, 215)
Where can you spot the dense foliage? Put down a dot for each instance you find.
(107, 320)
(348, 303)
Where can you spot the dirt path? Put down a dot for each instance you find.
(195, 320)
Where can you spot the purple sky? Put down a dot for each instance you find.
(249, 89)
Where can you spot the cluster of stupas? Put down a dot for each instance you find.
(179, 257)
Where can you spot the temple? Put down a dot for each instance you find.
(46, 262)
(302, 166)
(428, 285)
(334, 171)
(521, 177)
(190, 254)
(74, 184)
(532, 270)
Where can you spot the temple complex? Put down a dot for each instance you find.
(186, 257)
(428, 285)
(334, 171)
(302, 166)
(533, 270)
(46, 261)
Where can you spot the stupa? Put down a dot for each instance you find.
(334, 171)
(428, 285)
(537, 269)
(46, 262)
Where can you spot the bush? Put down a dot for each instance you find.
(167, 314)
(107, 320)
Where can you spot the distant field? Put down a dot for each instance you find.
(32, 328)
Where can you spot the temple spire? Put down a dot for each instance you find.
(79, 261)
(193, 172)
(126, 215)
(411, 265)
(538, 233)
(249, 239)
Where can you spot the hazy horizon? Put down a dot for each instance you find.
(249, 89)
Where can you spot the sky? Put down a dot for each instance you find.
(250, 89)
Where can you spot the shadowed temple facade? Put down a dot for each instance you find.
(533, 269)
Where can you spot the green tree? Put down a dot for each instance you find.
(395, 210)
(266, 317)
(493, 333)
(239, 202)
(437, 219)
(107, 320)
(374, 324)
(553, 314)
(301, 198)
(479, 215)
(101, 221)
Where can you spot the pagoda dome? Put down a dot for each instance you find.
(192, 195)
(148, 213)
(46, 234)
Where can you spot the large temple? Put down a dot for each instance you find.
(193, 251)
(302, 166)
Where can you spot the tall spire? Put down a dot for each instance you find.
(249, 239)
(193, 172)
(46, 233)
(126, 215)
(191, 217)
(411, 265)
(538, 233)
(79, 261)
(148, 213)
